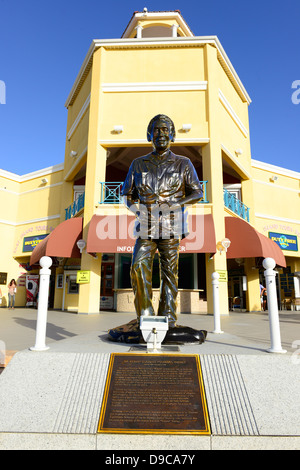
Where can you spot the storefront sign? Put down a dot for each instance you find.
(223, 276)
(29, 243)
(286, 242)
(83, 277)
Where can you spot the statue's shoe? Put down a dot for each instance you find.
(131, 333)
(185, 334)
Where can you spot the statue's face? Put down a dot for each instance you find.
(161, 135)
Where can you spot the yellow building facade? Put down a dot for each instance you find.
(157, 66)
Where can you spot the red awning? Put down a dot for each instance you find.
(114, 234)
(246, 242)
(61, 242)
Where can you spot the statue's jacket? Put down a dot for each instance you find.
(158, 189)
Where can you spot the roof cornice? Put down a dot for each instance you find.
(34, 174)
(275, 169)
(128, 43)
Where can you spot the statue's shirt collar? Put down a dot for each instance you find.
(168, 156)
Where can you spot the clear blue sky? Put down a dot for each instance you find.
(43, 44)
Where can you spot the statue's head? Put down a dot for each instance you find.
(161, 132)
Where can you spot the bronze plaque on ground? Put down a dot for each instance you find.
(155, 394)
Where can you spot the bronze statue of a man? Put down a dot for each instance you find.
(157, 189)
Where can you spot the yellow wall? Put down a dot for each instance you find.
(154, 65)
(79, 101)
(277, 204)
(34, 205)
(9, 198)
(28, 208)
(183, 107)
(77, 142)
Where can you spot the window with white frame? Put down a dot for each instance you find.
(234, 189)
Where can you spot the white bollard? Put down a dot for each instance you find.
(41, 326)
(216, 298)
(270, 275)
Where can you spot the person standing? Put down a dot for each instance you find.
(263, 297)
(12, 290)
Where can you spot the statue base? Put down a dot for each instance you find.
(131, 333)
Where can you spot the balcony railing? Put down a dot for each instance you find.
(204, 199)
(235, 205)
(110, 192)
(74, 208)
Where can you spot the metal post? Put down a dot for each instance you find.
(40, 342)
(154, 331)
(270, 275)
(216, 298)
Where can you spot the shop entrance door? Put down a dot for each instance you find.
(237, 296)
(107, 285)
(70, 292)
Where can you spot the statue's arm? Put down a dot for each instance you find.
(193, 188)
(129, 192)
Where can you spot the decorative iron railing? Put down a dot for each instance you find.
(110, 192)
(204, 199)
(74, 208)
(235, 205)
